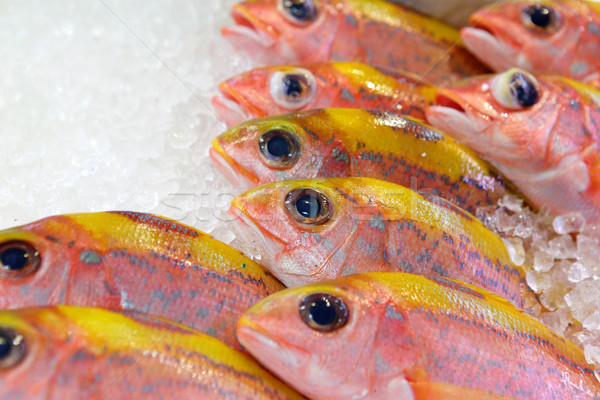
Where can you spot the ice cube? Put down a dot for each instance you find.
(538, 281)
(592, 322)
(572, 222)
(584, 299)
(542, 260)
(579, 272)
(562, 247)
(515, 249)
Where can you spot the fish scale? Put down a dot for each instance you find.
(377, 226)
(409, 337)
(88, 353)
(140, 262)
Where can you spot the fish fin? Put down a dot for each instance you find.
(447, 391)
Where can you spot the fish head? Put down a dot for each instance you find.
(538, 36)
(272, 90)
(31, 344)
(300, 226)
(284, 30)
(277, 148)
(320, 335)
(506, 118)
(33, 258)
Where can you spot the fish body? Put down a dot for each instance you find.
(371, 31)
(280, 89)
(396, 336)
(351, 142)
(64, 352)
(131, 261)
(559, 37)
(313, 230)
(541, 133)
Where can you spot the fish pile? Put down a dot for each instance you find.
(412, 211)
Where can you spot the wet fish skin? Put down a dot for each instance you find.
(92, 353)
(407, 333)
(252, 94)
(140, 262)
(373, 226)
(351, 142)
(548, 149)
(500, 37)
(351, 30)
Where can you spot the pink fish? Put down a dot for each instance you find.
(541, 133)
(274, 90)
(547, 37)
(371, 31)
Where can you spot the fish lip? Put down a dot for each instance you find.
(448, 100)
(237, 175)
(250, 330)
(232, 108)
(481, 40)
(269, 245)
(248, 26)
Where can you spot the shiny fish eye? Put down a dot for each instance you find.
(279, 148)
(308, 206)
(12, 348)
(292, 89)
(515, 89)
(539, 17)
(323, 312)
(18, 259)
(299, 11)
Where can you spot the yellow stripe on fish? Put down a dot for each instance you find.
(131, 261)
(336, 142)
(86, 353)
(312, 230)
(407, 337)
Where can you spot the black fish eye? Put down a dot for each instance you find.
(292, 89)
(279, 147)
(308, 206)
(294, 86)
(302, 11)
(323, 312)
(12, 348)
(18, 259)
(523, 90)
(539, 16)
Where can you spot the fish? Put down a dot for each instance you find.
(318, 229)
(540, 132)
(350, 142)
(131, 261)
(398, 336)
(276, 90)
(371, 31)
(64, 352)
(559, 37)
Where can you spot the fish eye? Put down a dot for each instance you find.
(292, 89)
(18, 259)
(323, 312)
(515, 89)
(308, 206)
(12, 348)
(539, 17)
(279, 148)
(299, 11)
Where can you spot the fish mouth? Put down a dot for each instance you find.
(237, 175)
(232, 108)
(481, 40)
(269, 246)
(248, 29)
(451, 117)
(266, 345)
